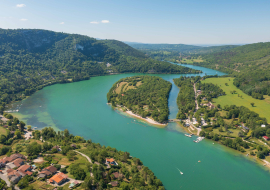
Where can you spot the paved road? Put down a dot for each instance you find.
(5, 178)
(84, 156)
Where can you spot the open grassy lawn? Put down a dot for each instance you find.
(262, 107)
(41, 185)
(234, 134)
(3, 131)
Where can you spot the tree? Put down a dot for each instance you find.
(33, 149)
(18, 134)
(77, 172)
(252, 104)
(29, 128)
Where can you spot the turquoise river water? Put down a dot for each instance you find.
(81, 108)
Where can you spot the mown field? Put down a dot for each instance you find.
(262, 107)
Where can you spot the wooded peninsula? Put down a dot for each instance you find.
(146, 96)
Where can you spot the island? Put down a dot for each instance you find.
(145, 97)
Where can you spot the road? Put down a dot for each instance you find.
(197, 106)
(84, 156)
(4, 177)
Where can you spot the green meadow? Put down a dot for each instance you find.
(262, 107)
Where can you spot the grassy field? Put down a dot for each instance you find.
(233, 134)
(262, 107)
(3, 131)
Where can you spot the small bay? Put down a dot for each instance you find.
(81, 108)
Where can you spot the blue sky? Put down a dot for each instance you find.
(147, 21)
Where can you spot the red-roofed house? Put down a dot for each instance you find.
(58, 178)
(25, 168)
(266, 138)
(18, 162)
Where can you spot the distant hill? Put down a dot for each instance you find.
(31, 59)
(176, 52)
(180, 48)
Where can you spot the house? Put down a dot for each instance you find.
(73, 146)
(43, 174)
(266, 138)
(18, 162)
(14, 176)
(58, 178)
(116, 174)
(5, 126)
(262, 125)
(25, 168)
(47, 171)
(111, 161)
(57, 148)
(114, 183)
(15, 156)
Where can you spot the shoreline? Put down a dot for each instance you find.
(261, 162)
(151, 121)
(148, 120)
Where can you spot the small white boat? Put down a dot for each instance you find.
(181, 173)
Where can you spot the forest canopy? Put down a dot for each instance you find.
(146, 96)
(31, 59)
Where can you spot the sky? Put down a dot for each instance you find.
(145, 21)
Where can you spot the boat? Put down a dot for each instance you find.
(199, 161)
(181, 173)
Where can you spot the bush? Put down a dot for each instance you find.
(58, 166)
(63, 170)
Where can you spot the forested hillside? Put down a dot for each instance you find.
(176, 52)
(32, 59)
(146, 96)
(250, 64)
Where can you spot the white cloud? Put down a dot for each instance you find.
(62, 23)
(94, 22)
(105, 21)
(20, 5)
(24, 19)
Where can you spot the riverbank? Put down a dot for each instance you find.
(148, 120)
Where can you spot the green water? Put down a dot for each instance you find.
(81, 108)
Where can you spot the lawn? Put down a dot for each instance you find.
(234, 134)
(41, 185)
(262, 107)
(3, 131)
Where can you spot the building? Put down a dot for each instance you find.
(266, 138)
(14, 176)
(111, 161)
(116, 175)
(57, 148)
(47, 171)
(18, 162)
(262, 125)
(25, 168)
(114, 183)
(58, 178)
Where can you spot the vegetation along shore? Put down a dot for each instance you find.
(37, 159)
(145, 97)
(235, 126)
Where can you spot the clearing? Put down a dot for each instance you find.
(262, 107)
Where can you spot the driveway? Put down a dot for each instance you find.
(4, 177)
(84, 156)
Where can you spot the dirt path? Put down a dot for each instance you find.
(84, 156)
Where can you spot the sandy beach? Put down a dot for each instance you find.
(151, 121)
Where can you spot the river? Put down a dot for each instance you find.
(81, 108)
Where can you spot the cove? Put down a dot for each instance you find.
(81, 108)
